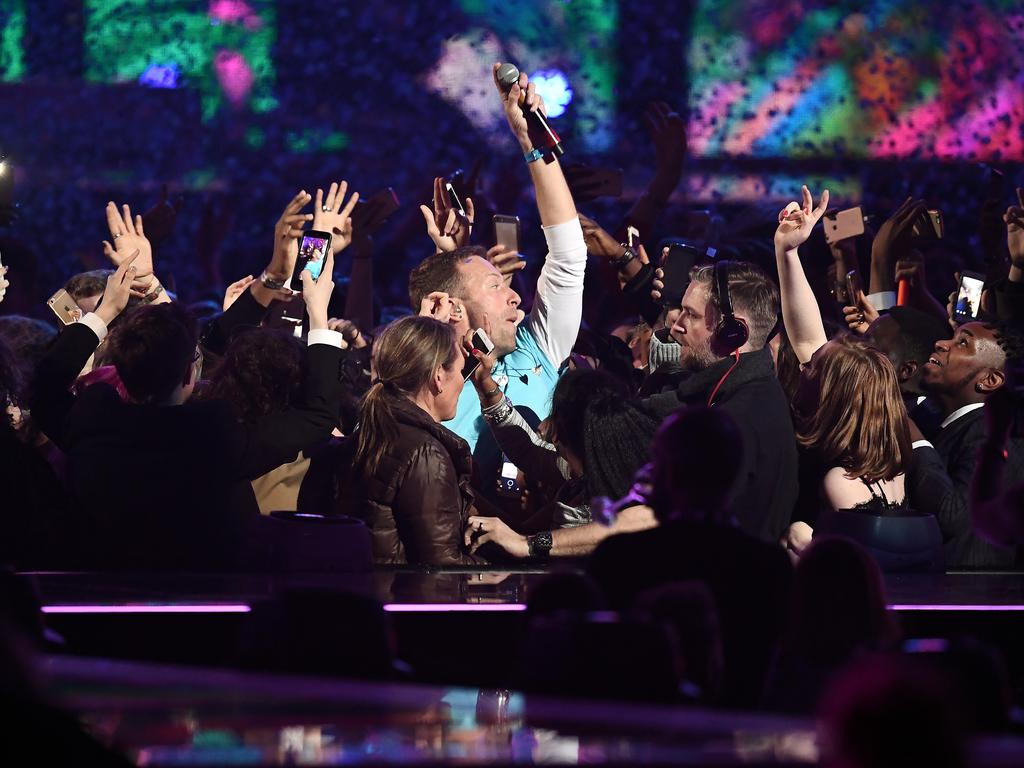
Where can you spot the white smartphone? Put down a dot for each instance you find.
(968, 299)
(482, 342)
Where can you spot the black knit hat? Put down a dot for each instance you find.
(617, 440)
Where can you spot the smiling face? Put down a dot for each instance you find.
(490, 303)
(966, 368)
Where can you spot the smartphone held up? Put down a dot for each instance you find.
(313, 249)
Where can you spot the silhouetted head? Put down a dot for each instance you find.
(695, 464)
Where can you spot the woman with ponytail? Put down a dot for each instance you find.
(408, 477)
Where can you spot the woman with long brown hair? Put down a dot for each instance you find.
(408, 476)
(849, 410)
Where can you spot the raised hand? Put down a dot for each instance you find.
(129, 238)
(668, 133)
(118, 289)
(334, 215)
(516, 114)
(599, 242)
(446, 226)
(440, 306)
(4, 282)
(236, 289)
(896, 231)
(796, 221)
(287, 232)
(507, 262)
(1014, 218)
(161, 218)
(317, 294)
(349, 332)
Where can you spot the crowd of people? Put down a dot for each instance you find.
(714, 440)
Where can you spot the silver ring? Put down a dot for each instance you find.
(325, 208)
(117, 235)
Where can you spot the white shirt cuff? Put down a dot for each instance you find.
(883, 300)
(324, 336)
(95, 324)
(565, 237)
(921, 444)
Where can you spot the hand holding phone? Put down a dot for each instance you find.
(64, 307)
(482, 342)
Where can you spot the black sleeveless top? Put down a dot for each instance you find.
(879, 503)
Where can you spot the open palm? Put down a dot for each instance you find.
(128, 238)
(796, 221)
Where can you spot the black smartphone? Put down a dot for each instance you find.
(929, 226)
(482, 342)
(508, 479)
(454, 197)
(507, 231)
(370, 214)
(853, 286)
(676, 272)
(968, 297)
(313, 249)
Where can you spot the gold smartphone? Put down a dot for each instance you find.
(64, 307)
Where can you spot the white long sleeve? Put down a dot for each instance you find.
(558, 305)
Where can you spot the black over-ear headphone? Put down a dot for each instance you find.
(731, 333)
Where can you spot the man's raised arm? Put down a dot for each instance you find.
(558, 306)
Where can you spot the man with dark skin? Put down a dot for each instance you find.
(958, 376)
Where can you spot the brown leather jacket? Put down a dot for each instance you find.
(417, 502)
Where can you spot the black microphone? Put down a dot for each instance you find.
(542, 135)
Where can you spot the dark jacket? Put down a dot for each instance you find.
(751, 394)
(749, 580)
(939, 483)
(167, 487)
(417, 502)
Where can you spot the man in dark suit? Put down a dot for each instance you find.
(159, 482)
(959, 375)
(695, 472)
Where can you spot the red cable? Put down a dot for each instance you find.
(721, 381)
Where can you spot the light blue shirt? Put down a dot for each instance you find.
(529, 373)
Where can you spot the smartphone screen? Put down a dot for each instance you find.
(676, 270)
(968, 300)
(313, 249)
(633, 237)
(506, 231)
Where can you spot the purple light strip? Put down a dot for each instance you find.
(944, 607)
(149, 608)
(447, 607)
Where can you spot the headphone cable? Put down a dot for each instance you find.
(721, 381)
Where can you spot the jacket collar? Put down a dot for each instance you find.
(408, 413)
(753, 366)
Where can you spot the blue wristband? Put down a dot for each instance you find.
(533, 155)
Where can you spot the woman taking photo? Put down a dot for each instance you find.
(405, 474)
(848, 407)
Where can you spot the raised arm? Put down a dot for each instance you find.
(800, 311)
(51, 401)
(558, 305)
